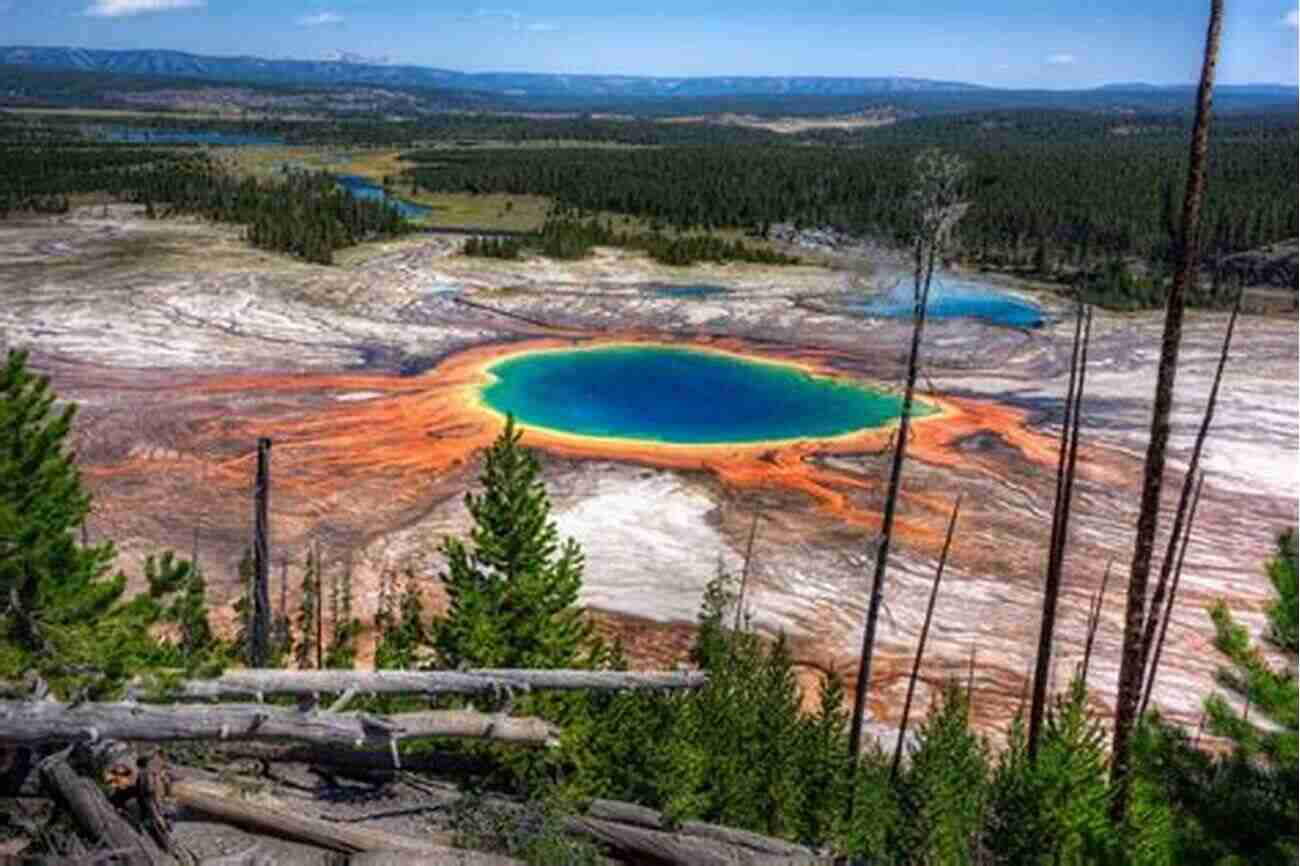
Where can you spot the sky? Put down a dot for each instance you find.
(1013, 43)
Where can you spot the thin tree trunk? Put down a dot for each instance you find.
(1157, 601)
(1064, 448)
(970, 684)
(922, 296)
(920, 645)
(320, 610)
(1173, 595)
(1130, 675)
(1094, 621)
(744, 572)
(261, 600)
(1060, 526)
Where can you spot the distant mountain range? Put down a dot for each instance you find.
(347, 69)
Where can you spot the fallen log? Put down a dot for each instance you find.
(448, 857)
(261, 682)
(95, 816)
(640, 816)
(29, 723)
(269, 816)
(678, 848)
(638, 832)
(373, 763)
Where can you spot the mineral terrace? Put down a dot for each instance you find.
(182, 346)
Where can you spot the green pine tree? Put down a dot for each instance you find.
(1238, 807)
(405, 629)
(342, 649)
(49, 583)
(942, 793)
(1271, 691)
(243, 608)
(304, 651)
(61, 614)
(512, 591)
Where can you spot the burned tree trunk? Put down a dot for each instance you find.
(936, 209)
(920, 645)
(1131, 673)
(1060, 530)
(259, 635)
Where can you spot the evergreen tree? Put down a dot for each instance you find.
(513, 589)
(1239, 807)
(405, 630)
(191, 613)
(1270, 691)
(942, 793)
(61, 615)
(281, 642)
(243, 608)
(48, 581)
(304, 651)
(342, 650)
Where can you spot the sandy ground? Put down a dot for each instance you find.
(182, 345)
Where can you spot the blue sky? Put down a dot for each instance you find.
(1014, 43)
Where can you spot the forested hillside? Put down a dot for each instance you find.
(307, 215)
(1079, 187)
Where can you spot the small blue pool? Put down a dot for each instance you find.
(360, 187)
(958, 299)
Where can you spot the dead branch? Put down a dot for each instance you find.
(28, 723)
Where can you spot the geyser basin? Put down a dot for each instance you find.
(680, 396)
(958, 299)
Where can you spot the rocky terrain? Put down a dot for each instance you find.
(182, 345)
(1276, 265)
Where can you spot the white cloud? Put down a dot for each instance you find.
(507, 15)
(1061, 58)
(320, 19)
(1292, 19)
(543, 27)
(123, 8)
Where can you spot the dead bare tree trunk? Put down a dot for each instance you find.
(33, 723)
(1173, 595)
(744, 573)
(270, 816)
(260, 633)
(937, 209)
(1060, 529)
(1131, 673)
(1094, 620)
(274, 681)
(1176, 531)
(920, 645)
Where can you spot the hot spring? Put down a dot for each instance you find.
(957, 299)
(680, 396)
